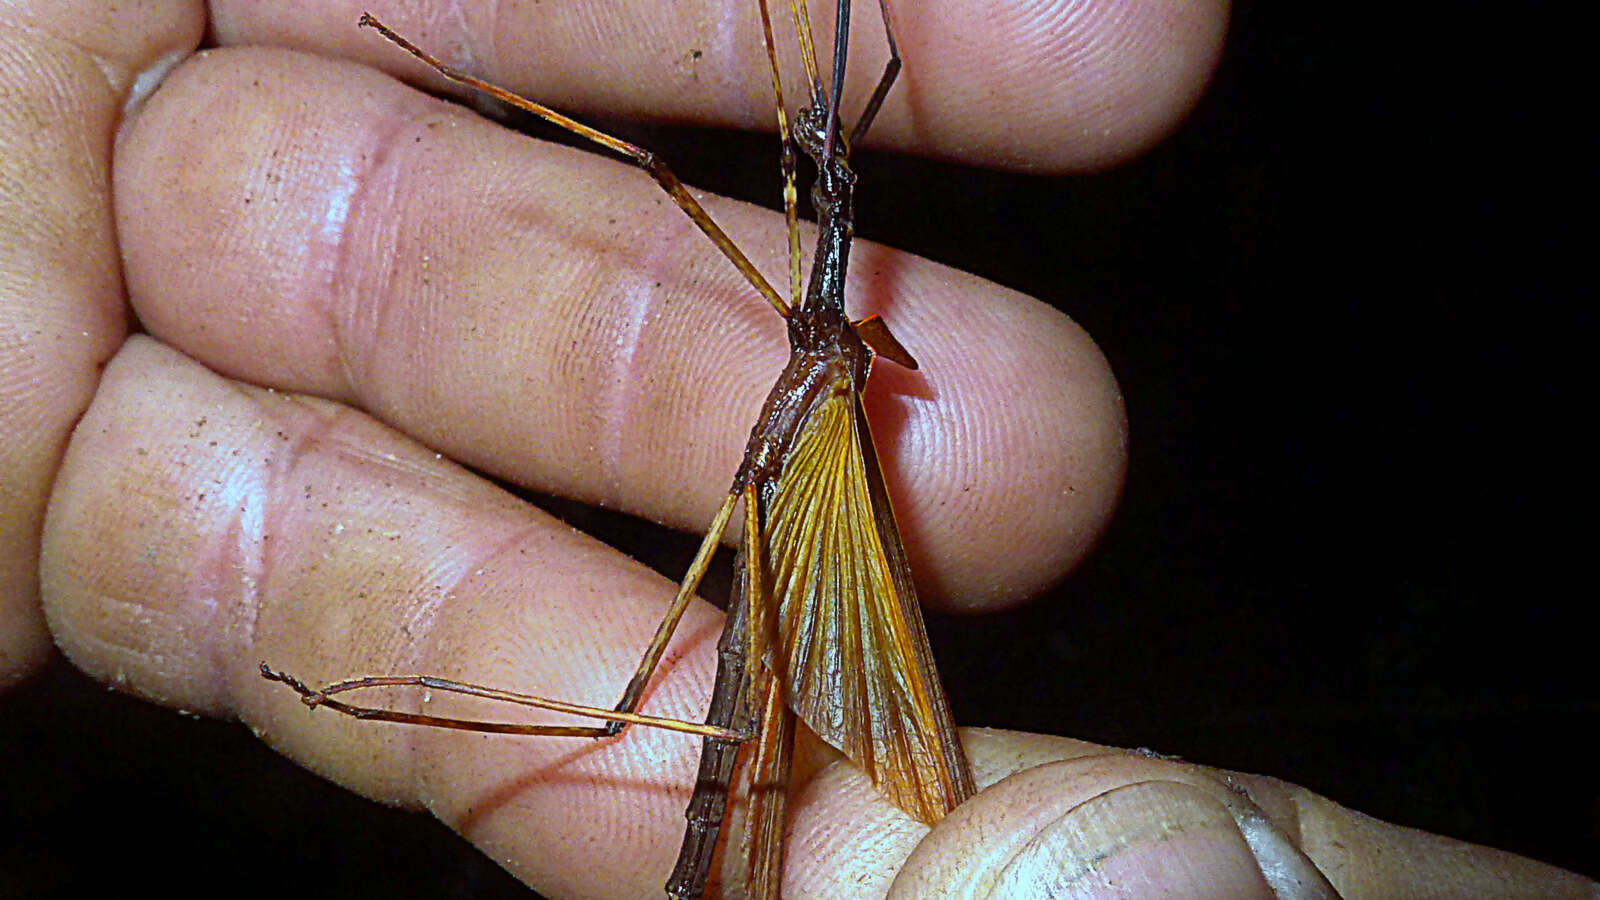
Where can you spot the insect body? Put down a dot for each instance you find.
(824, 625)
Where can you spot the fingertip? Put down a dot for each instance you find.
(1061, 818)
(1035, 87)
(1045, 87)
(1007, 451)
(1134, 70)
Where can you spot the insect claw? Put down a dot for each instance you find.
(271, 674)
(307, 696)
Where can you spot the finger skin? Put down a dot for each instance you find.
(65, 72)
(202, 527)
(545, 315)
(1043, 87)
(349, 549)
(1062, 818)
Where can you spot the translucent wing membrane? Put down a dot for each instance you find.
(851, 646)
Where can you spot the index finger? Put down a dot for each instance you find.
(1056, 87)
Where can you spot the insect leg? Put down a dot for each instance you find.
(324, 697)
(639, 156)
(617, 718)
(737, 656)
(770, 765)
(891, 71)
(786, 158)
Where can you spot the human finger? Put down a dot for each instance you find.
(1044, 87)
(571, 331)
(1057, 817)
(66, 70)
(202, 527)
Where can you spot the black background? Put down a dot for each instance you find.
(1341, 302)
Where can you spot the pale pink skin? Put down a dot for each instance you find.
(293, 226)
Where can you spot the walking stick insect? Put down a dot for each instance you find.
(824, 625)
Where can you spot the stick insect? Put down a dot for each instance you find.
(824, 625)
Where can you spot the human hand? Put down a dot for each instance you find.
(62, 312)
(228, 525)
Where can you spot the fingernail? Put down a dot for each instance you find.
(1288, 871)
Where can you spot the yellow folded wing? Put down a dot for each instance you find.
(851, 647)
